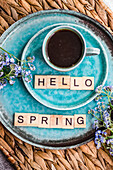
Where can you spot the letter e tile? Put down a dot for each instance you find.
(52, 82)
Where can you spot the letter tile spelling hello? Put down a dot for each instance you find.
(64, 82)
(52, 82)
(88, 83)
(76, 83)
(40, 82)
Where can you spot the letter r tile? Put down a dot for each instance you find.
(44, 121)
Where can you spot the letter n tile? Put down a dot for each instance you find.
(68, 122)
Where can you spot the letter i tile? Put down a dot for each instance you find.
(56, 121)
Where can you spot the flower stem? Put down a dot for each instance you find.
(10, 54)
(24, 61)
(96, 117)
(107, 151)
(6, 75)
(110, 129)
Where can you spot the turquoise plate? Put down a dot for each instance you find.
(93, 66)
(16, 98)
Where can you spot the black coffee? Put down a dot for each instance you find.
(64, 48)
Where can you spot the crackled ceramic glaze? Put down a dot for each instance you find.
(92, 66)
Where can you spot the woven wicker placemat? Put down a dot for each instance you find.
(22, 155)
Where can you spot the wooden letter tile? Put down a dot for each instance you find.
(52, 82)
(20, 119)
(56, 121)
(64, 82)
(32, 119)
(68, 122)
(44, 121)
(80, 121)
(76, 83)
(40, 82)
(88, 83)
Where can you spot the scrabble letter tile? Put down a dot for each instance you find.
(32, 119)
(76, 83)
(80, 121)
(68, 122)
(88, 83)
(20, 119)
(40, 82)
(44, 121)
(64, 82)
(52, 82)
(56, 121)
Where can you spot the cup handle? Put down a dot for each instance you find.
(92, 51)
